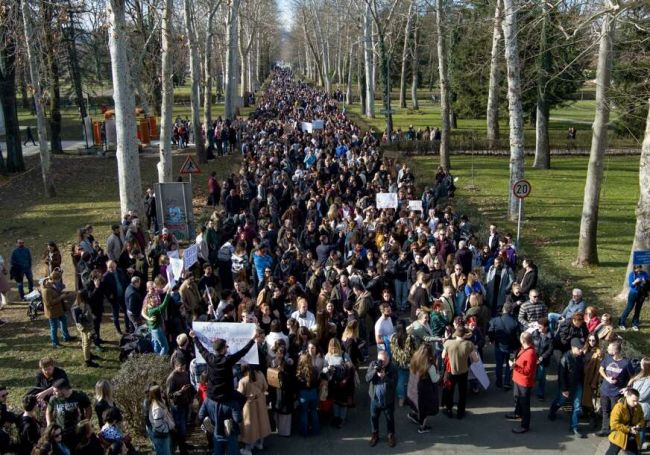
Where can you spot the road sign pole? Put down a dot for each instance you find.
(519, 221)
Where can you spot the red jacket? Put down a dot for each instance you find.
(523, 372)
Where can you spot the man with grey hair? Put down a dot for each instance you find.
(133, 300)
(382, 380)
(464, 257)
(575, 305)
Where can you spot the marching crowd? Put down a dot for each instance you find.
(298, 246)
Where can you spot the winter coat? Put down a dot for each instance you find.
(256, 424)
(507, 278)
(620, 422)
(52, 301)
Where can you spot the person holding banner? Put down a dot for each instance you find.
(221, 387)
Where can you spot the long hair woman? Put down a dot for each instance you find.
(160, 420)
(593, 355)
(351, 342)
(307, 378)
(422, 387)
(256, 425)
(340, 373)
(402, 347)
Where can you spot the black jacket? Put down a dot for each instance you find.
(220, 378)
(571, 372)
(504, 332)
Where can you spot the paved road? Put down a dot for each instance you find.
(484, 428)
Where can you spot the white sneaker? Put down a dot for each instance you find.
(635, 328)
(245, 452)
(621, 328)
(259, 446)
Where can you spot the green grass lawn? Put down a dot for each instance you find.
(87, 193)
(579, 114)
(552, 219)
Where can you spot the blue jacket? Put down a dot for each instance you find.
(133, 300)
(643, 275)
(21, 259)
(260, 263)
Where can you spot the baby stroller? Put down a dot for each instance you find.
(34, 304)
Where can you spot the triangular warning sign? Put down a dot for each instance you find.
(190, 166)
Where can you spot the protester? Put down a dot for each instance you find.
(523, 377)
(423, 387)
(616, 371)
(382, 380)
(625, 423)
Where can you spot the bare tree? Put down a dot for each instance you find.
(642, 230)
(369, 62)
(514, 103)
(167, 81)
(231, 60)
(415, 67)
(443, 70)
(405, 53)
(50, 23)
(128, 162)
(195, 75)
(493, 91)
(34, 70)
(588, 240)
(542, 145)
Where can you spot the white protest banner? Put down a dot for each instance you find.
(236, 336)
(386, 200)
(415, 206)
(190, 256)
(478, 370)
(306, 126)
(176, 266)
(318, 124)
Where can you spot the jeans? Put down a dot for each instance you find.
(339, 411)
(401, 294)
(19, 275)
(459, 380)
(540, 380)
(54, 329)
(117, 306)
(308, 406)
(159, 341)
(98, 314)
(634, 302)
(501, 357)
(389, 412)
(227, 447)
(606, 406)
(522, 404)
(162, 446)
(402, 382)
(180, 414)
(576, 399)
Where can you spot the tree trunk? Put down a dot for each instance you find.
(195, 74)
(493, 91)
(514, 104)
(30, 45)
(361, 84)
(53, 76)
(405, 53)
(231, 66)
(542, 146)
(207, 71)
(369, 62)
(24, 97)
(385, 73)
(167, 79)
(588, 240)
(14, 154)
(348, 88)
(75, 71)
(416, 64)
(128, 161)
(445, 108)
(642, 230)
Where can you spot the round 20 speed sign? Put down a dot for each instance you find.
(521, 189)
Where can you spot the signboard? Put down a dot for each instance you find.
(174, 208)
(307, 127)
(415, 206)
(641, 257)
(236, 336)
(190, 256)
(386, 200)
(318, 124)
(190, 166)
(174, 271)
(521, 189)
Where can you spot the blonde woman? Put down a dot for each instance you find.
(352, 343)
(422, 387)
(339, 370)
(103, 399)
(161, 421)
(641, 382)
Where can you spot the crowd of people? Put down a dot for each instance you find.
(297, 246)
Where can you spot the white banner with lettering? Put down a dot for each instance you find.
(415, 206)
(386, 200)
(235, 334)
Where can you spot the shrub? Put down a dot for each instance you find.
(131, 382)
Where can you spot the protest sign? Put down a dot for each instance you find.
(236, 336)
(318, 124)
(190, 256)
(307, 127)
(386, 200)
(415, 205)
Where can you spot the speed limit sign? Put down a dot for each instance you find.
(521, 189)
